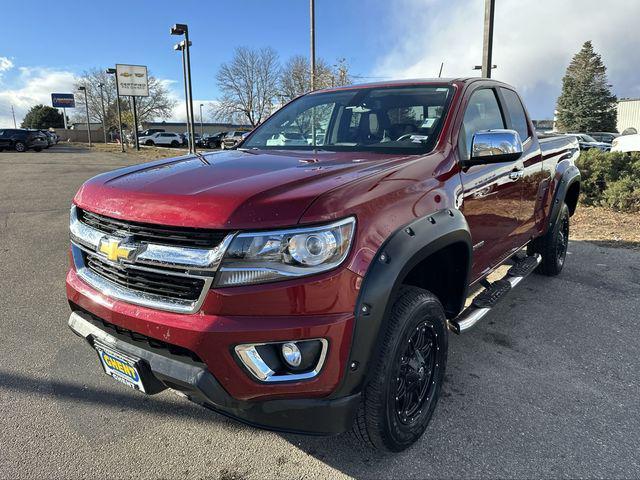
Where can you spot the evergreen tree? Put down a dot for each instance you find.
(586, 103)
(42, 116)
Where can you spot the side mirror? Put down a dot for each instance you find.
(494, 146)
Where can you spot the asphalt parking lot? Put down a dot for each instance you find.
(548, 386)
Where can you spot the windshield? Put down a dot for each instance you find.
(385, 119)
(587, 138)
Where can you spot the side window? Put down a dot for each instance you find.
(483, 113)
(516, 113)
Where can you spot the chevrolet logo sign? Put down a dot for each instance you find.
(117, 249)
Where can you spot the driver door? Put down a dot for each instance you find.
(492, 194)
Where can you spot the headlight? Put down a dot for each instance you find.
(258, 257)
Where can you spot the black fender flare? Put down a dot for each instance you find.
(402, 251)
(570, 176)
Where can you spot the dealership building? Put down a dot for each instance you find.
(628, 114)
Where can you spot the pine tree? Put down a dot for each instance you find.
(586, 103)
(43, 116)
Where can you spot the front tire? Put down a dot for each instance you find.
(400, 399)
(175, 144)
(149, 143)
(553, 245)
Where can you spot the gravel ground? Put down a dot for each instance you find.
(547, 386)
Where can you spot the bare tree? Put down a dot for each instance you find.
(295, 78)
(159, 103)
(249, 85)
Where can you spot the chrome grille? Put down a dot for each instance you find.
(169, 267)
(151, 233)
(146, 281)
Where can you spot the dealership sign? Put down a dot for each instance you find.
(132, 80)
(63, 100)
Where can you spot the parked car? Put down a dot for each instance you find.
(604, 137)
(51, 140)
(314, 290)
(185, 138)
(587, 142)
(232, 138)
(166, 139)
(21, 140)
(626, 143)
(211, 140)
(145, 133)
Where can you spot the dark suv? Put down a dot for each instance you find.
(21, 140)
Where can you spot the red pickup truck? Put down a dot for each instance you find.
(307, 280)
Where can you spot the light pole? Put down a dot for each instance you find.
(312, 33)
(112, 71)
(86, 104)
(104, 128)
(201, 130)
(180, 48)
(183, 29)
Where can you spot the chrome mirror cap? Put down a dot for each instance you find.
(495, 146)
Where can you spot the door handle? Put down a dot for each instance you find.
(516, 174)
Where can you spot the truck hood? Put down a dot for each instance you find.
(226, 190)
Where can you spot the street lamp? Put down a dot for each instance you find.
(112, 71)
(201, 130)
(86, 104)
(183, 29)
(104, 128)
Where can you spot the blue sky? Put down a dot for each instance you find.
(45, 44)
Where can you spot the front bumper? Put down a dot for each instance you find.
(308, 415)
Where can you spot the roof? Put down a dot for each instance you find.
(409, 81)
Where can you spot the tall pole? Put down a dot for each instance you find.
(13, 113)
(64, 117)
(487, 44)
(192, 129)
(86, 105)
(104, 128)
(440, 73)
(135, 124)
(201, 130)
(312, 32)
(114, 72)
(180, 46)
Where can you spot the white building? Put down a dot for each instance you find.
(628, 114)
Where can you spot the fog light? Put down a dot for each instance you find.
(291, 354)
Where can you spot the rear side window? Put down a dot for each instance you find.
(516, 113)
(483, 113)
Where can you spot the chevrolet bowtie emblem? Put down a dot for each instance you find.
(116, 249)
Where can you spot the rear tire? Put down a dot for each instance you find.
(38, 149)
(553, 245)
(400, 399)
(175, 144)
(20, 147)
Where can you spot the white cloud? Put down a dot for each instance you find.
(5, 64)
(533, 43)
(180, 110)
(34, 86)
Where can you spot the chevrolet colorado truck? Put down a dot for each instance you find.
(311, 287)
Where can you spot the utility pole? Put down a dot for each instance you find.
(104, 128)
(13, 113)
(312, 17)
(487, 44)
(440, 73)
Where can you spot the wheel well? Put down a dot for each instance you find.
(571, 198)
(444, 273)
